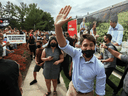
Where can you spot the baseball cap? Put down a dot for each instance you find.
(31, 35)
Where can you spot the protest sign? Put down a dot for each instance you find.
(72, 27)
(16, 38)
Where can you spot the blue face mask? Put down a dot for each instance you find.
(88, 53)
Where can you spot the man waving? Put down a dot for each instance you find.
(86, 67)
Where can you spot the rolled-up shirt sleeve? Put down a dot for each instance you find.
(100, 82)
(124, 58)
(68, 49)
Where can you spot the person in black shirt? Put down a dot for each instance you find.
(67, 59)
(69, 39)
(10, 77)
(32, 46)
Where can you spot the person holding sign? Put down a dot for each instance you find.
(86, 67)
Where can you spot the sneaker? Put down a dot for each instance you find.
(33, 82)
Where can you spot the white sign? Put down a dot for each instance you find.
(16, 38)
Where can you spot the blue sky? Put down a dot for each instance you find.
(79, 7)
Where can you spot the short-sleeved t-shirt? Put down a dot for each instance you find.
(107, 55)
(31, 41)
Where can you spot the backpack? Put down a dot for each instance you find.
(118, 61)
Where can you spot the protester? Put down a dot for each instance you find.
(116, 30)
(52, 56)
(67, 59)
(75, 37)
(109, 61)
(82, 27)
(93, 30)
(38, 61)
(4, 45)
(32, 46)
(83, 61)
(45, 42)
(10, 77)
(125, 59)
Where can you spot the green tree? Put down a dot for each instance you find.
(41, 20)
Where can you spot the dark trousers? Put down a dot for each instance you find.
(65, 67)
(33, 49)
(108, 72)
(123, 93)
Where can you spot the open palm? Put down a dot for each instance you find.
(61, 18)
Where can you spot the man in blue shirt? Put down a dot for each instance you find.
(86, 67)
(116, 31)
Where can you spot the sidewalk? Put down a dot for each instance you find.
(39, 89)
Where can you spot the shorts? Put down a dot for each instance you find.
(37, 68)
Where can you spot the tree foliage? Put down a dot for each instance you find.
(26, 16)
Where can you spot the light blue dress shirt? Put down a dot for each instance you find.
(85, 72)
(117, 33)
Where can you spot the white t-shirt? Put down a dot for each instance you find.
(4, 50)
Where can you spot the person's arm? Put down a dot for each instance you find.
(113, 52)
(70, 70)
(116, 44)
(100, 81)
(108, 60)
(8, 50)
(43, 56)
(60, 60)
(28, 45)
(36, 58)
(60, 20)
(20, 82)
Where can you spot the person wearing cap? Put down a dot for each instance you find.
(10, 77)
(32, 46)
(116, 30)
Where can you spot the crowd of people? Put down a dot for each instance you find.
(56, 52)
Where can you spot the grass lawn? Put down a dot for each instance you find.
(109, 90)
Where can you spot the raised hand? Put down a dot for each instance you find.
(61, 17)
